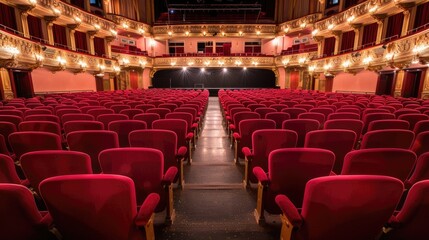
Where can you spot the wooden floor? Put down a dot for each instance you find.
(214, 204)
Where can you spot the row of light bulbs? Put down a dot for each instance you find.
(220, 63)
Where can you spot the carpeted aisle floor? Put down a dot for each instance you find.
(214, 204)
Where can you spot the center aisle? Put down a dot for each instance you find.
(214, 204)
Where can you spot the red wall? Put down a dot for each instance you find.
(364, 81)
(46, 81)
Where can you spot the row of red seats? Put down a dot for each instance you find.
(266, 149)
(155, 155)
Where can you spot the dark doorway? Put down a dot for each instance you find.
(385, 83)
(99, 83)
(22, 85)
(413, 82)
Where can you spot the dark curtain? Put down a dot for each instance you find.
(7, 16)
(80, 39)
(369, 34)
(347, 41)
(60, 36)
(349, 3)
(329, 46)
(99, 46)
(214, 78)
(394, 26)
(422, 15)
(78, 3)
(35, 26)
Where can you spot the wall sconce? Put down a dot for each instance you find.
(311, 68)
(116, 69)
(170, 33)
(302, 60)
(78, 20)
(190, 63)
(327, 67)
(125, 62)
(351, 18)
(32, 2)
(258, 32)
(101, 67)
(56, 11)
(173, 64)
(331, 26)
(39, 60)
(207, 63)
(238, 62)
(12, 51)
(346, 64)
(286, 29)
(114, 32)
(255, 63)
(240, 33)
(389, 56)
(367, 60)
(303, 25)
(223, 34)
(61, 63)
(314, 32)
(221, 63)
(372, 9)
(141, 31)
(152, 42)
(419, 48)
(187, 33)
(285, 62)
(125, 25)
(97, 26)
(142, 63)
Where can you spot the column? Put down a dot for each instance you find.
(400, 75)
(91, 35)
(49, 23)
(337, 35)
(357, 28)
(109, 41)
(316, 80)
(24, 22)
(319, 40)
(72, 28)
(425, 91)
(287, 78)
(406, 22)
(380, 20)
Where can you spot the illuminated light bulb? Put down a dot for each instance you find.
(225, 70)
(351, 18)
(77, 19)
(96, 26)
(373, 9)
(314, 32)
(184, 68)
(346, 63)
(331, 26)
(367, 60)
(258, 32)
(187, 33)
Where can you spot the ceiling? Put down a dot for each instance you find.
(210, 11)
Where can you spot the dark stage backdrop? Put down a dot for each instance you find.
(214, 78)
